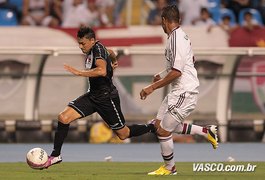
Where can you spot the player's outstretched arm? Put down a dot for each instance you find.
(100, 70)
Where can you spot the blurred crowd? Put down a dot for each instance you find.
(228, 14)
(65, 13)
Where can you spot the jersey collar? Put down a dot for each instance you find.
(174, 30)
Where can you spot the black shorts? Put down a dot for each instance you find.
(107, 107)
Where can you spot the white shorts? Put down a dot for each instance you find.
(175, 108)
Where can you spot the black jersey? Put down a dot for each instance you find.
(100, 86)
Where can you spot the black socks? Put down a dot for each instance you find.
(140, 129)
(60, 135)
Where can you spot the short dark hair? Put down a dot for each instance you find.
(86, 32)
(171, 13)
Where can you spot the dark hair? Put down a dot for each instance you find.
(171, 13)
(86, 32)
(247, 14)
(226, 17)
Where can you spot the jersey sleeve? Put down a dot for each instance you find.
(99, 52)
(177, 59)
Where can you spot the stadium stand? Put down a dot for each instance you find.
(7, 18)
(31, 131)
(214, 9)
(227, 12)
(255, 14)
(17, 3)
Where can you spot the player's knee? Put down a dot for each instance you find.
(159, 130)
(163, 133)
(63, 118)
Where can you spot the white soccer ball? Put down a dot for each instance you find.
(36, 158)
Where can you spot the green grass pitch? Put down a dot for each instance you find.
(119, 171)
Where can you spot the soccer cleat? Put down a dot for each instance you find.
(52, 160)
(212, 136)
(163, 171)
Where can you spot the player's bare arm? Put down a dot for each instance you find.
(173, 74)
(100, 70)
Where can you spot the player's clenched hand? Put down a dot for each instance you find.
(71, 69)
(146, 91)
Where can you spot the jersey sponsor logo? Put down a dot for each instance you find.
(14, 75)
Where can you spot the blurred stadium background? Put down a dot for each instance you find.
(34, 88)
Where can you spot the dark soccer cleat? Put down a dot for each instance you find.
(151, 124)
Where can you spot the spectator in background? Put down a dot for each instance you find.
(94, 16)
(119, 5)
(249, 22)
(106, 9)
(237, 5)
(4, 4)
(204, 20)
(226, 24)
(190, 10)
(57, 10)
(76, 14)
(83, 14)
(154, 17)
(37, 12)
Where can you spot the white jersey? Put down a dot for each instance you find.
(179, 56)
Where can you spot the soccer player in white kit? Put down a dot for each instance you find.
(181, 100)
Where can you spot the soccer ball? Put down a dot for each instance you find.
(36, 158)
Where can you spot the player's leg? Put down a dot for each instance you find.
(76, 109)
(110, 111)
(181, 112)
(64, 119)
(166, 142)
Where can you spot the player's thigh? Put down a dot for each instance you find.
(83, 105)
(179, 107)
(162, 109)
(110, 111)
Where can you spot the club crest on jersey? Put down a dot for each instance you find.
(89, 60)
(258, 84)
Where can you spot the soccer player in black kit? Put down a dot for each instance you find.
(102, 96)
